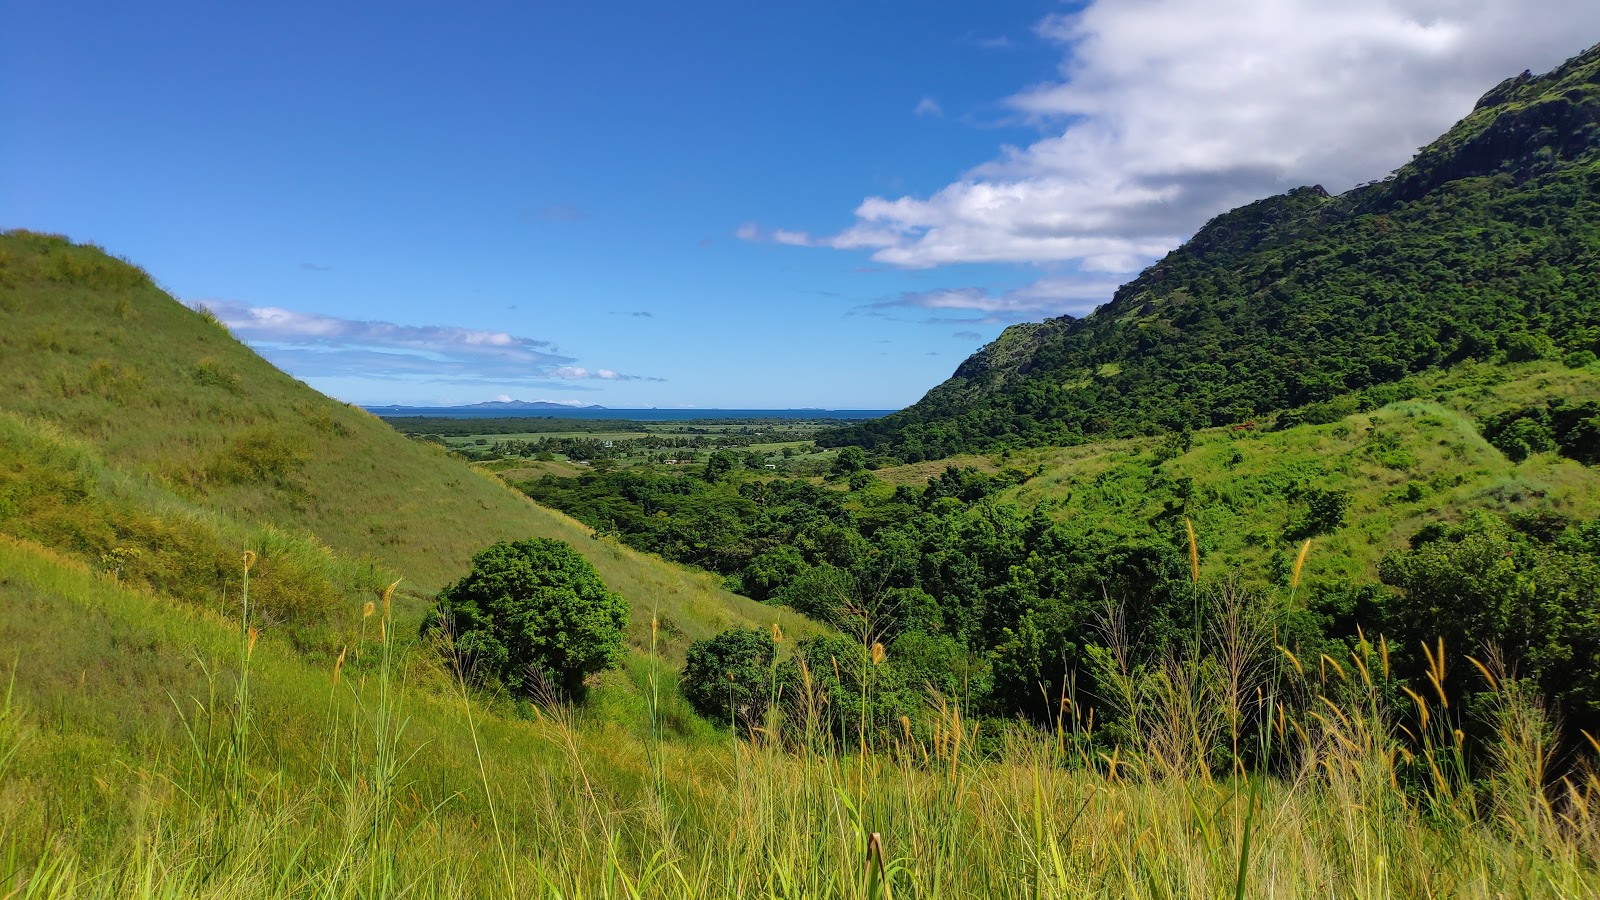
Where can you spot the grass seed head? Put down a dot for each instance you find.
(1299, 563)
(1194, 552)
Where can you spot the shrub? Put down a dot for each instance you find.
(728, 678)
(1578, 359)
(260, 455)
(1531, 593)
(821, 592)
(1524, 347)
(529, 610)
(770, 570)
(211, 372)
(1573, 430)
(1325, 511)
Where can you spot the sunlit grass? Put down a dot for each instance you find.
(1241, 478)
(391, 781)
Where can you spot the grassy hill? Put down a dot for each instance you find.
(119, 778)
(1486, 246)
(1404, 465)
(131, 423)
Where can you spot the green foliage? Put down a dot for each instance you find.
(1571, 429)
(261, 455)
(824, 592)
(849, 461)
(339, 801)
(1526, 590)
(1520, 346)
(729, 677)
(211, 372)
(532, 611)
(720, 464)
(1174, 445)
(1482, 247)
(1325, 511)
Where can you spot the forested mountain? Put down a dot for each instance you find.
(1484, 246)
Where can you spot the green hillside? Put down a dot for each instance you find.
(130, 423)
(1485, 246)
(117, 781)
(1404, 466)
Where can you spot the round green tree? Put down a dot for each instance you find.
(728, 678)
(531, 609)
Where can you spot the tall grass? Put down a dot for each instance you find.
(1367, 795)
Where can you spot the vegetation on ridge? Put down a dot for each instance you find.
(1486, 246)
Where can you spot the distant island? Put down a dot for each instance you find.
(529, 404)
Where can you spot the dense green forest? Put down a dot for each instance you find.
(1486, 246)
(1006, 606)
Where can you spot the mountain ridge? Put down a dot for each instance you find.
(1484, 243)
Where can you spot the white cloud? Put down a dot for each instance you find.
(928, 106)
(1167, 112)
(315, 345)
(792, 238)
(1050, 296)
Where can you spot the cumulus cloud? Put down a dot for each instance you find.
(311, 345)
(572, 373)
(1167, 112)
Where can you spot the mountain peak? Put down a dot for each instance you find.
(1486, 244)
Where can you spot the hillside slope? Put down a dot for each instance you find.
(146, 409)
(1403, 466)
(1486, 245)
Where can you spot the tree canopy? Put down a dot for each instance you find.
(529, 611)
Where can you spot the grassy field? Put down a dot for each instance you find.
(135, 765)
(1404, 465)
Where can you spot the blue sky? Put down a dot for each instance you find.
(700, 204)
